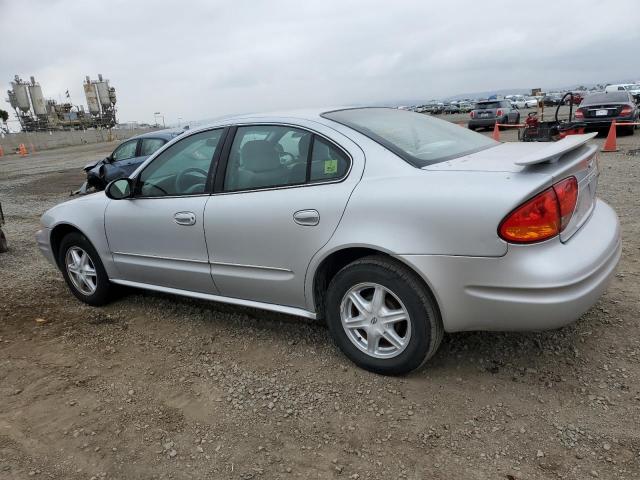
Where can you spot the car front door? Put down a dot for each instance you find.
(120, 160)
(281, 197)
(157, 237)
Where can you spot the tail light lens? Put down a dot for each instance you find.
(499, 113)
(542, 217)
(579, 113)
(472, 114)
(567, 193)
(626, 111)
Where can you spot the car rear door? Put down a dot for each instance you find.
(269, 215)
(157, 237)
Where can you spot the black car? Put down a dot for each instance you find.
(552, 99)
(486, 113)
(125, 159)
(600, 109)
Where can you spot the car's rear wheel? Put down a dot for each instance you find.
(382, 316)
(3, 242)
(83, 270)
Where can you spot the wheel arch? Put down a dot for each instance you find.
(337, 259)
(58, 233)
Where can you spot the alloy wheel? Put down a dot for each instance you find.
(375, 320)
(81, 270)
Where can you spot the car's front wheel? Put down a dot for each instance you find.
(382, 316)
(83, 270)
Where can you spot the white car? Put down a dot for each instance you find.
(520, 101)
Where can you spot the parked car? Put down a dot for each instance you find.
(552, 99)
(599, 109)
(522, 102)
(451, 108)
(441, 229)
(465, 107)
(485, 114)
(125, 159)
(3, 239)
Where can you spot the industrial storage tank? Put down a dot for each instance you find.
(12, 99)
(92, 97)
(103, 91)
(20, 92)
(37, 99)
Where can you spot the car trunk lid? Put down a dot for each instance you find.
(602, 111)
(540, 165)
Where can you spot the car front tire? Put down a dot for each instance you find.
(4, 247)
(382, 317)
(83, 270)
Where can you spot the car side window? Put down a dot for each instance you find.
(150, 145)
(182, 169)
(267, 156)
(125, 151)
(327, 161)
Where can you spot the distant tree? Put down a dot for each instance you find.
(4, 116)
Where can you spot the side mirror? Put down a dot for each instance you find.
(119, 189)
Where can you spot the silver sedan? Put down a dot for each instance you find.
(391, 226)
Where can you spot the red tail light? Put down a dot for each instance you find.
(567, 193)
(499, 113)
(579, 113)
(472, 114)
(626, 111)
(542, 217)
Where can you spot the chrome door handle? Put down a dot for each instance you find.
(185, 218)
(307, 218)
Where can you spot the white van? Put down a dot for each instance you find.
(620, 87)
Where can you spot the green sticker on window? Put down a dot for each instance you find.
(330, 166)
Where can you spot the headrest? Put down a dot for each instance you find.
(260, 156)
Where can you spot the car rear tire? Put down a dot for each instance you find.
(83, 270)
(4, 247)
(382, 317)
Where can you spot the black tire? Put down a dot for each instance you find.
(472, 128)
(4, 247)
(426, 324)
(104, 287)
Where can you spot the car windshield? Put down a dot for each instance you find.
(419, 139)
(611, 97)
(487, 105)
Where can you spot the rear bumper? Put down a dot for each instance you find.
(482, 122)
(532, 287)
(602, 123)
(43, 240)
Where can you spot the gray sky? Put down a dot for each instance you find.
(200, 59)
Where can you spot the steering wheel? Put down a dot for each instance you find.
(286, 158)
(189, 172)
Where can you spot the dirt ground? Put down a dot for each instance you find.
(156, 386)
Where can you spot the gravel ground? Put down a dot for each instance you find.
(156, 386)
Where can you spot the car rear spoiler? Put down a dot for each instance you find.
(555, 150)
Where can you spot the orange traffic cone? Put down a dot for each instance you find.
(496, 132)
(610, 144)
(22, 150)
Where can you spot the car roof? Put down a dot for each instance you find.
(165, 134)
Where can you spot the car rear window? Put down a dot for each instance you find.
(606, 98)
(419, 139)
(487, 105)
